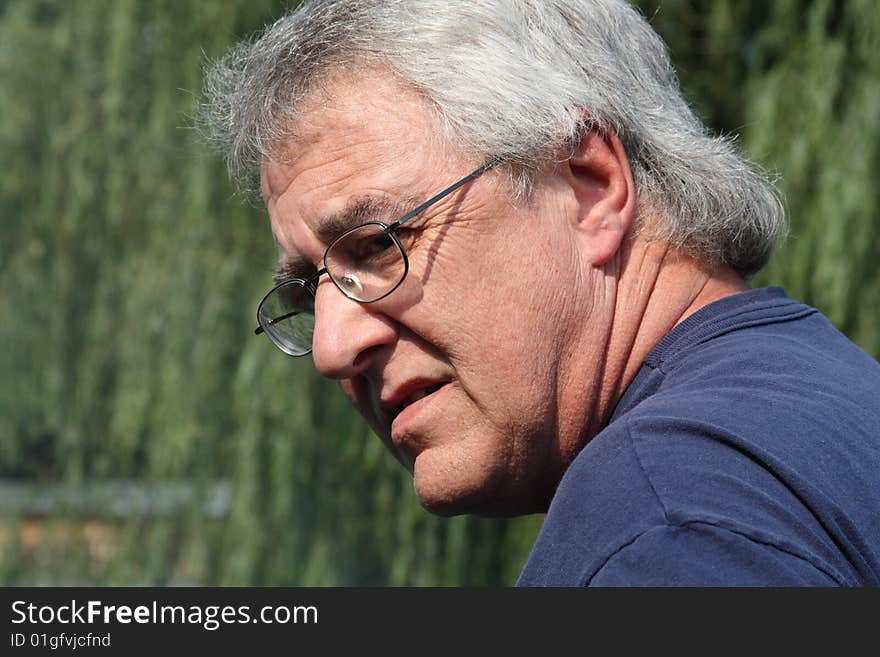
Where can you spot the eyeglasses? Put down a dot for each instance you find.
(366, 263)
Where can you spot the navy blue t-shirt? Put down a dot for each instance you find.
(745, 452)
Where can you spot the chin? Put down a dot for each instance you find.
(450, 487)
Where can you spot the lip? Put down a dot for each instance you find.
(409, 414)
(391, 403)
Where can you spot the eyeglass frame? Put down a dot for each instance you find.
(310, 284)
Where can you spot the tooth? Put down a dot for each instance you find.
(416, 396)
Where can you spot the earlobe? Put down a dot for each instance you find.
(601, 179)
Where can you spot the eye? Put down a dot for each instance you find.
(296, 299)
(374, 245)
(367, 251)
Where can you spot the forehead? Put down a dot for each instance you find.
(363, 123)
(364, 150)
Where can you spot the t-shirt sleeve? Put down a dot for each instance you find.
(700, 554)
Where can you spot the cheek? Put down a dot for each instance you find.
(511, 310)
(349, 388)
(360, 397)
(498, 292)
(503, 341)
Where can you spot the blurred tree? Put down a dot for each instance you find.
(129, 271)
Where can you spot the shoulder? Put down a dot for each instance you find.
(659, 501)
(703, 554)
(757, 425)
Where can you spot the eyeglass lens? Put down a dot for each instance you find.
(288, 317)
(365, 263)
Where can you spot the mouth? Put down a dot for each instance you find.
(408, 398)
(407, 412)
(416, 396)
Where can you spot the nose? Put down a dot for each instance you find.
(348, 334)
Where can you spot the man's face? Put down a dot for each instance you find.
(467, 371)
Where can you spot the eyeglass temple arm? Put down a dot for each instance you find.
(260, 329)
(409, 215)
(446, 192)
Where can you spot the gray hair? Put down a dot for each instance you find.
(516, 79)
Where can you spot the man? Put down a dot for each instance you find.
(504, 232)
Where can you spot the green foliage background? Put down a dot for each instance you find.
(129, 272)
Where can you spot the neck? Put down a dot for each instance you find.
(647, 290)
(637, 298)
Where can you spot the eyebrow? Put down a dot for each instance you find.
(360, 210)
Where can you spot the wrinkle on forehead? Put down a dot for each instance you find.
(336, 100)
(359, 149)
(353, 149)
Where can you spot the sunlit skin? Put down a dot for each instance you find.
(531, 317)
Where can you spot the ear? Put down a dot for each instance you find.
(598, 172)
